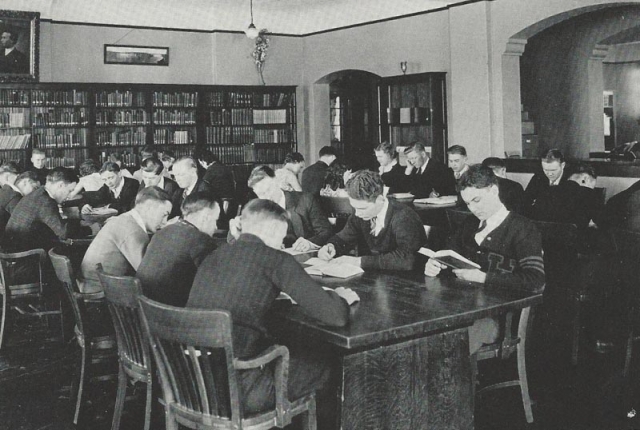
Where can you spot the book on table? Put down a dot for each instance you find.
(336, 268)
(450, 258)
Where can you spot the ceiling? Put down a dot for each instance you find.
(295, 17)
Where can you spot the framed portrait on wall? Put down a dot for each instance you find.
(136, 55)
(19, 46)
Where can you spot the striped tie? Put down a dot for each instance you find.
(373, 225)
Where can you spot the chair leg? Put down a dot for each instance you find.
(81, 384)
(628, 355)
(311, 422)
(149, 404)
(3, 321)
(122, 392)
(524, 382)
(576, 331)
(171, 423)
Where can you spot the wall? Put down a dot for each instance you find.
(624, 80)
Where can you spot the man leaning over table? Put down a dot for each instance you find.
(507, 246)
(392, 231)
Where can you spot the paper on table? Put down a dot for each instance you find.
(292, 251)
(314, 261)
(335, 269)
(103, 211)
(444, 200)
(349, 295)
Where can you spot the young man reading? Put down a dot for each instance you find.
(507, 246)
(392, 231)
(457, 160)
(245, 278)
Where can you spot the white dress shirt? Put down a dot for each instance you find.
(491, 224)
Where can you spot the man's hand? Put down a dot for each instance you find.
(347, 259)
(434, 194)
(235, 227)
(409, 168)
(95, 228)
(348, 294)
(86, 209)
(473, 275)
(303, 245)
(327, 252)
(433, 267)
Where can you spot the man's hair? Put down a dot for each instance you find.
(260, 210)
(38, 151)
(61, 174)
(206, 156)
(327, 150)
(388, 149)
(478, 176)
(15, 35)
(27, 176)
(415, 146)
(152, 165)
(258, 174)
(188, 160)
(168, 155)
(148, 152)
(494, 163)
(457, 149)
(365, 185)
(582, 168)
(294, 157)
(195, 202)
(152, 194)
(88, 167)
(335, 176)
(9, 167)
(110, 166)
(553, 155)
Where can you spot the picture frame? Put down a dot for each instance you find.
(136, 55)
(19, 46)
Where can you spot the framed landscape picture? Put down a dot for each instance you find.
(136, 55)
(19, 46)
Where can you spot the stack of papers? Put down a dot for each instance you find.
(336, 268)
(444, 200)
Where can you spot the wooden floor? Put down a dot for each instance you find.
(36, 374)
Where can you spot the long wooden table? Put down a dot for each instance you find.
(404, 358)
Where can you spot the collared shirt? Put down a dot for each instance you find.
(556, 182)
(7, 51)
(161, 183)
(189, 190)
(424, 166)
(282, 201)
(136, 216)
(388, 167)
(118, 189)
(491, 224)
(381, 217)
(49, 193)
(16, 189)
(461, 172)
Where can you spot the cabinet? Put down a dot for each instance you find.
(73, 122)
(413, 108)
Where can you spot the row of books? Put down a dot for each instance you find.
(9, 97)
(241, 116)
(220, 117)
(237, 98)
(272, 100)
(402, 136)
(60, 98)
(60, 138)
(128, 158)
(164, 136)
(119, 99)
(162, 116)
(122, 117)
(414, 115)
(242, 135)
(218, 135)
(14, 142)
(12, 117)
(181, 99)
(53, 162)
(229, 154)
(46, 117)
(274, 154)
(272, 136)
(121, 138)
(278, 116)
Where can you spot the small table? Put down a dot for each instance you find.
(404, 358)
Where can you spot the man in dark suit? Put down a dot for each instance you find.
(151, 175)
(511, 192)
(185, 171)
(313, 176)
(10, 195)
(11, 59)
(309, 226)
(38, 163)
(117, 192)
(623, 209)
(428, 177)
(217, 175)
(552, 174)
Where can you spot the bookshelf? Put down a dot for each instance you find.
(413, 107)
(72, 122)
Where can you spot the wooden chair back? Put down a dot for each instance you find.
(336, 206)
(627, 262)
(122, 294)
(64, 272)
(14, 268)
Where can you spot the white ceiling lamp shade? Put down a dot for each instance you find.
(251, 31)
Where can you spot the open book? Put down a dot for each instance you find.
(450, 258)
(335, 268)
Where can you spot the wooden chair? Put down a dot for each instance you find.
(13, 288)
(190, 347)
(95, 350)
(503, 350)
(122, 294)
(338, 208)
(456, 218)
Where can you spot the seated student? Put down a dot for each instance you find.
(36, 222)
(553, 173)
(457, 160)
(337, 176)
(121, 243)
(217, 175)
(90, 180)
(167, 161)
(38, 163)
(152, 176)
(574, 201)
(245, 278)
(116, 157)
(287, 176)
(507, 246)
(309, 226)
(24, 185)
(392, 231)
(313, 176)
(511, 192)
(391, 172)
(146, 152)
(117, 192)
(187, 242)
(427, 177)
(185, 171)
(8, 174)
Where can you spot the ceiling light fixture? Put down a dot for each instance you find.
(251, 31)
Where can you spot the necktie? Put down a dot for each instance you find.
(373, 225)
(184, 194)
(482, 225)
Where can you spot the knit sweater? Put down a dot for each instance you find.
(511, 254)
(394, 248)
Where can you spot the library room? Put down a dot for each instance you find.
(324, 214)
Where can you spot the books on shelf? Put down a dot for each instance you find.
(60, 137)
(125, 117)
(233, 154)
(241, 116)
(178, 99)
(11, 97)
(119, 99)
(60, 98)
(14, 117)
(269, 116)
(450, 258)
(240, 98)
(163, 136)
(179, 117)
(137, 136)
(220, 117)
(272, 99)
(20, 141)
(216, 99)
(55, 116)
(281, 135)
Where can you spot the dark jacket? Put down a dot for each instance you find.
(538, 184)
(170, 186)
(9, 198)
(178, 196)
(511, 195)
(15, 62)
(220, 178)
(42, 174)
(313, 177)
(436, 177)
(125, 201)
(623, 209)
(568, 202)
(396, 180)
(308, 218)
